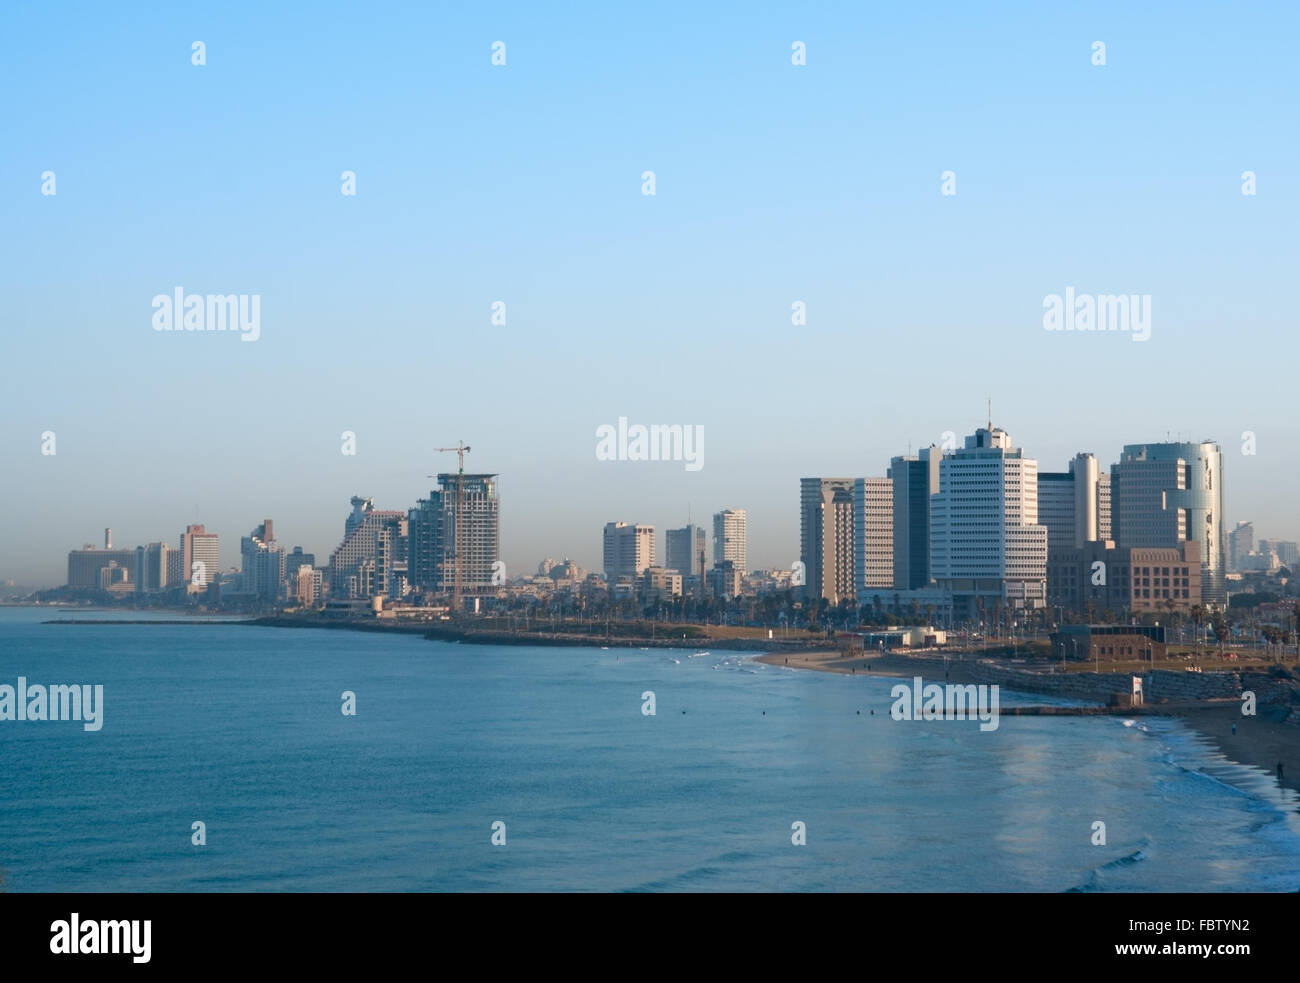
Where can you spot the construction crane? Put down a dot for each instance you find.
(461, 450)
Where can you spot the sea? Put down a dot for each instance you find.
(502, 768)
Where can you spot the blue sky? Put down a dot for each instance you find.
(522, 183)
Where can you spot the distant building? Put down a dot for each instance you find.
(198, 546)
(371, 560)
(730, 538)
(1126, 643)
(873, 538)
(433, 535)
(1286, 551)
(629, 550)
(987, 546)
(84, 564)
(659, 584)
(1102, 576)
(151, 568)
(915, 478)
(1241, 543)
(307, 584)
(1165, 494)
(684, 549)
(725, 581)
(826, 535)
(1074, 505)
(262, 563)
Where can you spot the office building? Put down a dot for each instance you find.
(629, 550)
(873, 538)
(729, 538)
(198, 546)
(987, 546)
(684, 550)
(1165, 494)
(915, 479)
(826, 536)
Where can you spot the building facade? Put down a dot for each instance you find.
(915, 479)
(1165, 494)
(826, 536)
(873, 540)
(730, 538)
(987, 546)
(433, 535)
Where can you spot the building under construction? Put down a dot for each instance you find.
(432, 529)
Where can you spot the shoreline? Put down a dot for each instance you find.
(1260, 742)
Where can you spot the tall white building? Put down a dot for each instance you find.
(986, 541)
(198, 546)
(873, 539)
(629, 551)
(729, 538)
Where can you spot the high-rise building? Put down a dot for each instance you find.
(826, 535)
(873, 537)
(262, 563)
(915, 479)
(371, 560)
(198, 546)
(629, 551)
(306, 583)
(986, 542)
(1286, 551)
(1167, 493)
(1074, 505)
(729, 538)
(1241, 543)
(85, 564)
(433, 535)
(152, 568)
(684, 549)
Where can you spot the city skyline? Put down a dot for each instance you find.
(229, 550)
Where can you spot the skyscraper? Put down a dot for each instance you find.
(683, 549)
(198, 546)
(915, 479)
(826, 535)
(986, 542)
(1241, 543)
(1074, 505)
(873, 537)
(1166, 493)
(629, 550)
(262, 566)
(433, 535)
(729, 538)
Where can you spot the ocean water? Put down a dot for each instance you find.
(241, 728)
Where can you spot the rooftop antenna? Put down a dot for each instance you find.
(989, 400)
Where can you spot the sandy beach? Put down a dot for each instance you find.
(1261, 741)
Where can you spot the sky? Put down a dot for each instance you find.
(775, 184)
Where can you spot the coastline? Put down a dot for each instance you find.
(1260, 741)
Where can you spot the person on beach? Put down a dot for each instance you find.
(1279, 771)
(1234, 730)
